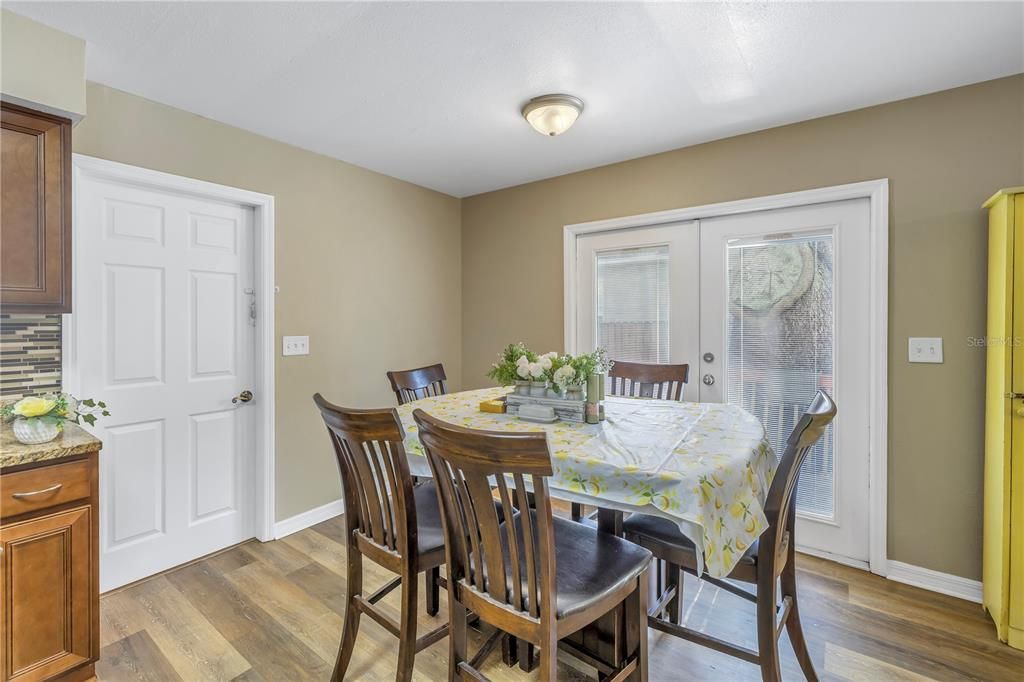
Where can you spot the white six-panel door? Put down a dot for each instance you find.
(166, 340)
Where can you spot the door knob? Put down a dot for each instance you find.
(709, 357)
(708, 379)
(243, 397)
(1019, 411)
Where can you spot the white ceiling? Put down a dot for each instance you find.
(431, 92)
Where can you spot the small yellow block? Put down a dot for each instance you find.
(495, 406)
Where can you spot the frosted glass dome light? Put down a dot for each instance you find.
(552, 114)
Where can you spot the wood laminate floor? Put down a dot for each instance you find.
(273, 611)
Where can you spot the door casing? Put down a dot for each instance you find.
(263, 279)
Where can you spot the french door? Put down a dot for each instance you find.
(766, 307)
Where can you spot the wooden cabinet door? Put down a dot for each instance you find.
(45, 595)
(35, 211)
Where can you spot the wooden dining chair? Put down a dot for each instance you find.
(642, 380)
(387, 520)
(409, 385)
(536, 577)
(422, 382)
(768, 561)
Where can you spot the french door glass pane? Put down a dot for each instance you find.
(632, 303)
(779, 333)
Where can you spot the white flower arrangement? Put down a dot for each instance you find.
(563, 376)
(561, 371)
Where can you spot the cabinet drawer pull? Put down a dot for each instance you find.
(52, 489)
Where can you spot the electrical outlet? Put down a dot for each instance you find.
(926, 349)
(295, 345)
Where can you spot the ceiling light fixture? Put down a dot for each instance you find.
(552, 114)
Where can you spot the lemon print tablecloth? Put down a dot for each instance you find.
(706, 466)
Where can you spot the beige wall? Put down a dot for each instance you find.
(369, 267)
(944, 154)
(42, 66)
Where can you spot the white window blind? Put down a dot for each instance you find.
(632, 303)
(779, 346)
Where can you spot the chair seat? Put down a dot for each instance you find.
(667, 532)
(429, 532)
(589, 565)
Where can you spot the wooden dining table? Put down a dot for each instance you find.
(705, 466)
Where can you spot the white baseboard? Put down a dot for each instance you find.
(944, 583)
(925, 578)
(308, 518)
(837, 558)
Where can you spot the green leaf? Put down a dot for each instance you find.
(101, 403)
(89, 402)
(105, 413)
(89, 419)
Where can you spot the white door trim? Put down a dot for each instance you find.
(877, 192)
(263, 248)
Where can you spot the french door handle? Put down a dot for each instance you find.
(1014, 396)
(708, 379)
(243, 397)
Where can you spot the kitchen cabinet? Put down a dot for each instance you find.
(49, 572)
(35, 211)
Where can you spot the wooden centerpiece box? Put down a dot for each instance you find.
(565, 410)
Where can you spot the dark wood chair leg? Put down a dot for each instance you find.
(527, 655)
(457, 641)
(433, 589)
(793, 625)
(767, 642)
(577, 512)
(635, 609)
(407, 627)
(509, 650)
(350, 626)
(674, 578)
(549, 660)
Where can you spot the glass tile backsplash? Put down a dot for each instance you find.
(29, 354)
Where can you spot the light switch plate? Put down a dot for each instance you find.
(925, 349)
(295, 345)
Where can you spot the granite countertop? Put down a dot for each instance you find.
(73, 440)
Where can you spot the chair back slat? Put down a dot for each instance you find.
(465, 463)
(492, 580)
(540, 569)
(641, 380)
(377, 501)
(781, 500)
(512, 541)
(377, 486)
(422, 382)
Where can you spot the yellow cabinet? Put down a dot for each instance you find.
(1003, 572)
